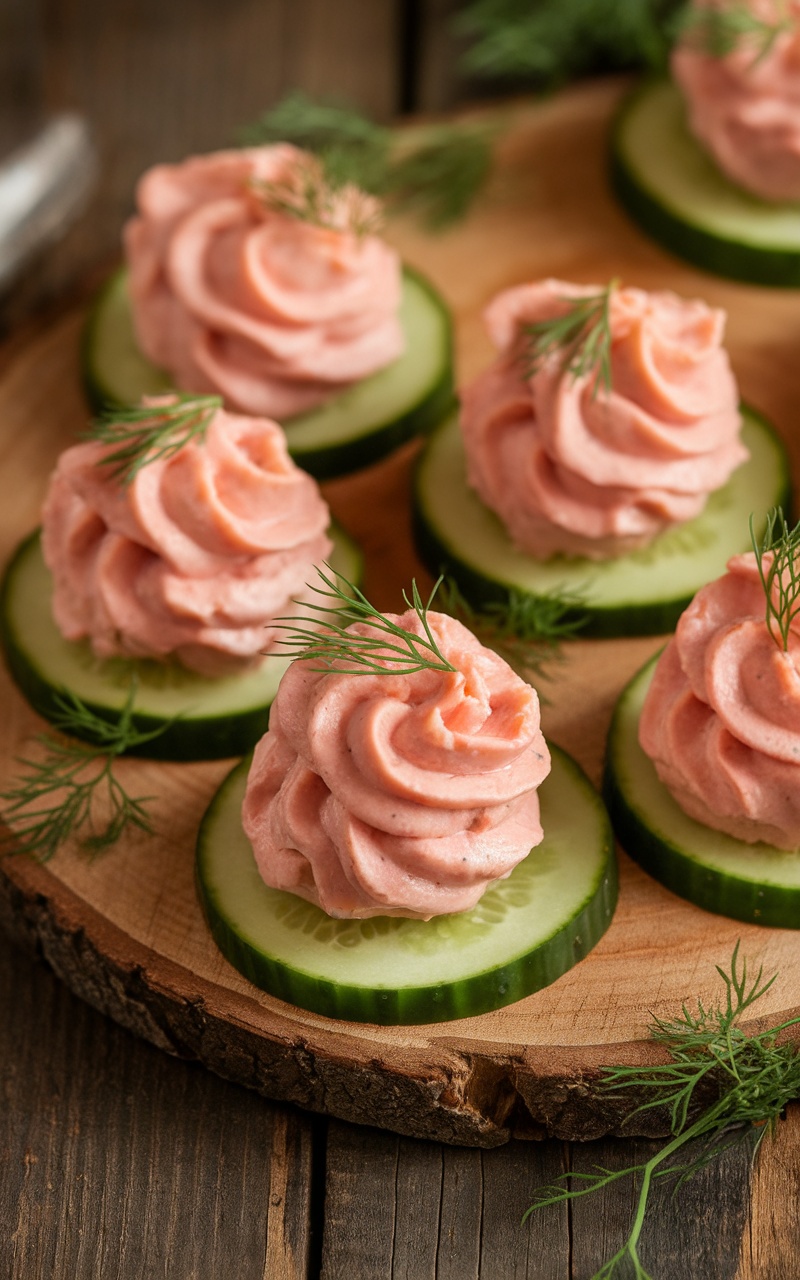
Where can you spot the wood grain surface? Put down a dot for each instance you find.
(126, 931)
(121, 1162)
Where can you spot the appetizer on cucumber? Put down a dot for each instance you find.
(523, 934)
(386, 858)
(200, 717)
(709, 163)
(250, 276)
(602, 456)
(702, 773)
(172, 543)
(673, 189)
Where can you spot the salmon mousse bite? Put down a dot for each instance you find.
(709, 162)
(602, 458)
(171, 541)
(250, 277)
(400, 848)
(703, 767)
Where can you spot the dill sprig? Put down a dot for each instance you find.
(309, 194)
(74, 776)
(438, 175)
(777, 549)
(718, 31)
(146, 433)
(580, 336)
(752, 1078)
(434, 172)
(353, 147)
(526, 630)
(324, 636)
(545, 42)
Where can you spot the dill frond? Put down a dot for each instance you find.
(57, 795)
(580, 337)
(146, 433)
(776, 554)
(323, 634)
(434, 172)
(751, 1079)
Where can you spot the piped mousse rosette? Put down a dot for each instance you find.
(709, 161)
(598, 438)
(250, 276)
(194, 556)
(181, 558)
(721, 721)
(575, 467)
(385, 856)
(397, 794)
(233, 295)
(704, 755)
(743, 101)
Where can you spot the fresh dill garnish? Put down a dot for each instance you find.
(751, 1079)
(72, 775)
(308, 194)
(526, 630)
(545, 42)
(440, 173)
(325, 637)
(146, 433)
(433, 171)
(353, 147)
(580, 336)
(718, 31)
(778, 550)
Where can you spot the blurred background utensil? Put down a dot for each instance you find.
(44, 184)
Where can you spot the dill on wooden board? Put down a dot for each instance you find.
(752, 1078)
(74, 775)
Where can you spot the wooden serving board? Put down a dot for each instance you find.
(125, 931)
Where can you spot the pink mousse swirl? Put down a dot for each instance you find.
(571, 467)
(721, 720)
(229, 295)
(744, 107)
(194, 556)
(398, 794)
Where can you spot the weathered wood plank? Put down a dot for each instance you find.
(401, 1209)
(361, 1172)
(120, 1161)
(539, 1248)
(691, 1235)
(770, 1247)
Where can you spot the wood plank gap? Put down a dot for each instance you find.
(319, 1169)
(281, 1260)
(409, 54)
(439, 1218)
(567, 1157)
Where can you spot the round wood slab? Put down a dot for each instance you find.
(125, 931)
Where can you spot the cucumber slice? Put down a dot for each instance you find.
(753, 882)
(356, 428)
(642, 593)
(218, 717)
(522, 935)
(674, 191)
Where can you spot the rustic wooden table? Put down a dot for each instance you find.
(121, 1161)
